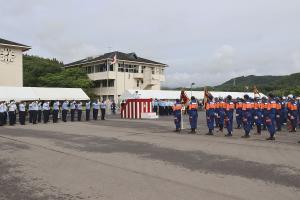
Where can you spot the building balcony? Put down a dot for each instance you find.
(102, 75)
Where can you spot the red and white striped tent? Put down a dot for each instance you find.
(134, 107)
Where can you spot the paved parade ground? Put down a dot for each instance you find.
(144, 159)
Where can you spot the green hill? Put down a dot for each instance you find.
(279, 85)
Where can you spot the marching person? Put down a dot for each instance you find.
(2, 110)
(55, 111)
(12, 107)
(293, 112)
(257, 112)
(87, 110)
(73, 107)
(79, 110)
(103, 109)
(96, 107)
(278, 114)
(271, 118)
(229, 115)
(246, 111)
(193, 114)
(65, 109)
(264, 111)
(221, 113)
(34, 112)
(22, 112)
(177, 107)
(210, 114)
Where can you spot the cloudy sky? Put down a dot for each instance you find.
(206, 42)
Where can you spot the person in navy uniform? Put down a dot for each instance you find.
(238, 112)
(271, 117)
(193, 114)
(177, 107)
(229, 109)
(65, 109)
(293, 109)
(247, 116)
(257, 114)
(22, 113)
(113, 107)
(96, 107)
(87, 110)
(79, 110)
(210, 114)
(55, 111)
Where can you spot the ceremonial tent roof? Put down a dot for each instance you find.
(40, 93)
(175, 94)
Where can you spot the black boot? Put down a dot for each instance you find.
(209, 132)
(258, 129)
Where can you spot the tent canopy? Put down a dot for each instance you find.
(40, 93)
(175, 94)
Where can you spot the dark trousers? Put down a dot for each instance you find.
(34, 114)
(30, 116)
(72, 115)
(22, 115)
(95, 114)
(12, 118)
(55, 116)
(64, 115)
(5, 118)
(87, 115)
(79, 113)
(1, 119)
(39, 116)
(46, 116)
(102, 114)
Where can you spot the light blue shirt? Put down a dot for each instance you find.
(79, 106)
(88, 105)
(34, 106)
(21, 107)
(65, 105)
(56, 105)
(2, 110)
(96, 105)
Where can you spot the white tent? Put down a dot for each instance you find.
(175, 94)
(36, 93)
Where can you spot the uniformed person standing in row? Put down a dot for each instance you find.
(87, 110)
(79, 110)
(30, 112)
(229, 105)
(73, 108)
(2, 110)
(96, 106)
(22, 113)
(193, 114)
(65, 109)
(39, 114)
(247, 116)
(103, 109)
(35, 109)
(12, 107)
(210, 114)
(46, 111)
(55, 111)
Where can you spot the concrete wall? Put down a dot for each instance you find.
(11, 74)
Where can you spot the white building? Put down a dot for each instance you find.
(11, 63)
(128, 72)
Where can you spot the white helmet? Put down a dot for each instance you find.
(290, 96)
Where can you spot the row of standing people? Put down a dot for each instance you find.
(37, 110)
(263, 113)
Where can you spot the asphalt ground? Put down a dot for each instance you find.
(145, 159)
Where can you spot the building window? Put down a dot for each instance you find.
(153, 70)
(143, 69)
(111, 83)
(111, 68)
(142, 81)
(137, 83)
(100, 67)
(90, 69)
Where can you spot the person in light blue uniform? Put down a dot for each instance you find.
(73, 108)
(96, 107)
(22, 113)
(2, 113)
(55, 111)
(79, 110)
(193, 114)
(65, 109)
(34, 111)
(46, 111)
(87, 110)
